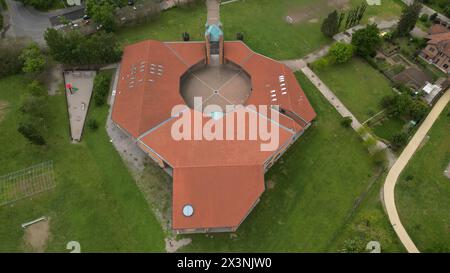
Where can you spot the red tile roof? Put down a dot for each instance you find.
(221, 196)
(221, 179)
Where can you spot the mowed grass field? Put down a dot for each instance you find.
(261, 21)
(96, 201)
(358, 85)
(423, 192)
(316, 186)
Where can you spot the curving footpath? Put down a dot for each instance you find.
(399, 165)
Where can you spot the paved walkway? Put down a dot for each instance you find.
(391, 179)
(213, 14)
(78, 100)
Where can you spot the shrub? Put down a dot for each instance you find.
(346, 122)
(29, 131)
(409, 177)
(433, 17)
(92, 124)
(185, 36)
(36, 89)
(33, 59)
(101, 89)
(10, 50)
(379, 158)
(399, 140)
(423, 17)
(341, 52)
(322, 63)
(240, 36)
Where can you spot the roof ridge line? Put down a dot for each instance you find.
(176, 54)
(150, 130)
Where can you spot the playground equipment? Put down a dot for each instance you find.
(71, 88)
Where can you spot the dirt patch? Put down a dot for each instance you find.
(36, 236)
(173, 245)
(4, 105)
(309, 12)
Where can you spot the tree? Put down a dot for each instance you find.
(408, 19)
(341, 52)
(330, 24)
(10, 63)
(39, 4)
(33, 59)
(34, 114)
(367, 40)
(403, 105)
(31, 133)
(101, 89)
(103, 14)
(361, 11)
(75, 49)
(399, 140)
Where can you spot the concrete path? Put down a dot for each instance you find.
(301, 65)
(213, 14)
(331, 97)
(399, 165)
(78, 100)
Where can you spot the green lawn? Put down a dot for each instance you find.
(358, 85)
(369, 223)
(95, 202)
(168, 26)
(387, 129)
(261, 21)
(388, 10)
(308, 208)
(423, 192)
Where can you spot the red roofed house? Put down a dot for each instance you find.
(216, 183)
(438, 47)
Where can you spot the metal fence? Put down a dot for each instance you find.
(26, 182)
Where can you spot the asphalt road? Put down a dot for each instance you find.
(25, 21)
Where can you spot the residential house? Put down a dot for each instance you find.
(437, 50)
